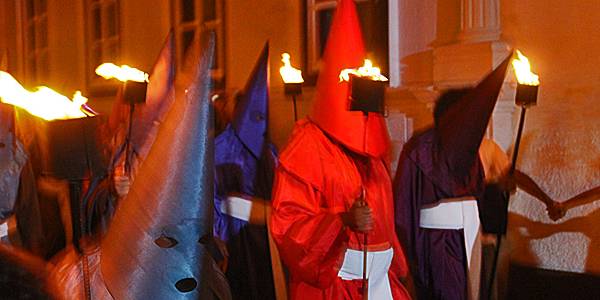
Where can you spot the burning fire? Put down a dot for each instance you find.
(523, 71)
(122, 73)
(44, 103)
(366, 71)
(290, 74)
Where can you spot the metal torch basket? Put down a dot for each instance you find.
(67, 148)
(293, 88)
(134, 92)
(366, 95)
(526, 95)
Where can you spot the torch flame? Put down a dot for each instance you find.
(122, 73)
(523, 71)
(366, 71)
(44, 103)
(289, 73)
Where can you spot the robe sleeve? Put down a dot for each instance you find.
(311, 239)
(407, 206)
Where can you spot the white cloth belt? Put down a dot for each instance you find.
(253, 211)
(4, 229)
(459, 213)
(378, 264)
(237, 207)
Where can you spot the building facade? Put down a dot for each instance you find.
(423, 46)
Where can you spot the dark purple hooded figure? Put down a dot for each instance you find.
(443, 163)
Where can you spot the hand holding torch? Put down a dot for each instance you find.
(135, 83)
(366, 94)
(526, 95)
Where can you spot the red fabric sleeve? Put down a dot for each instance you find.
(310, 238)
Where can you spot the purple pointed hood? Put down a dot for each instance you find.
(252, 110)
(462, 127)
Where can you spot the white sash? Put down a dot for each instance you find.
(378, 264)
(237, 207)
(459, 213)
(252, 211)
(4, 229)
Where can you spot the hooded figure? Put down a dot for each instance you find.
(439, 180)
(104, 192)
(156, 243)
(334, 157)
(244, 168)
(12, 159)
(148, 116)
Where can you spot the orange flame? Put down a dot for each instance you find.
(366, 71)
(288, 73)
(44, 103)
(523, 70)
(122, 73)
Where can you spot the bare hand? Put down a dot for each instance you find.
(556, 210)
(507, 183)
(122, 181)
(359, 218)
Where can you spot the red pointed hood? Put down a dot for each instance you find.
(345, 50)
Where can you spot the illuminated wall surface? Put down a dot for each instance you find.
(561, 139)
(561, 142)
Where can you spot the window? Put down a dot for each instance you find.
(193, 18)
(35, 28)
(103, 39)
(373, 17)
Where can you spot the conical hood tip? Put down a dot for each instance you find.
(345, 50)
(154, 246)
(250, 121)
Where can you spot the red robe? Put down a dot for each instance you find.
(316, 179)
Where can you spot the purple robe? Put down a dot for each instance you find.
(237, 170)
(437, 256)
(442, 163)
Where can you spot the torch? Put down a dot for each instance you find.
(292, 80)
(64, 131)
(527, 89)
(135, 83)
(366, 94)
(526, 96)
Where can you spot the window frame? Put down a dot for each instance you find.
(377, 48)
(35, 48)
(102, 45)
(198, 26)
